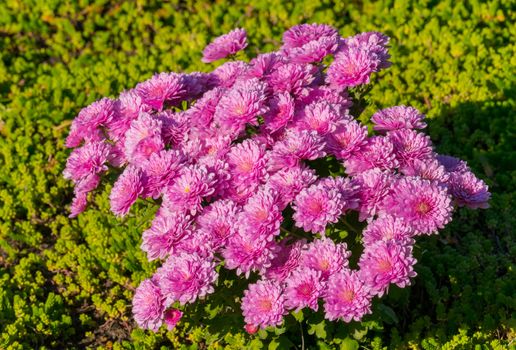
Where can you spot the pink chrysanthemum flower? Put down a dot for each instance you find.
(374, 43)
(348, 189)
(374, 186)
(225, 45)
(148, 306)
(285, 261)
(174, 127)
(202, 112)
(385, 263)
(86, 160)
(261, 215)
(280, 113)
(199, 242)
(85, 125)
(167, 230)
(245, 253)
(289, 182)
(378, 152)
(143, 139)
(348, 138)
(294, 147)
(398, 117)
(452, 164)
(227, 74)
(339, 100)
(429, 169)
(410, 145)
(301, 34)
(185, 278)
(303, 289)
(219, 221)
(126, 190)
(162, 88)
(423, 205)
(320, 117)
(240, 106)
(79, 204)
(468, 190)
(247, 162)
(351, 67)
(346, 297)
(325, 256)
(386, 229)
(161, 169)
(292, 78)
(127, 108)
(189, 189)
(263, 304)
(317, 206)
(263, 65)
(197, 83)
(172, 318)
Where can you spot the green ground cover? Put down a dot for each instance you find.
(68, 283)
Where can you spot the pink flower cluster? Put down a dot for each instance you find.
(229, 156)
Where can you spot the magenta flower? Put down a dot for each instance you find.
(348, 189)
(348, 138)
(385, 263)
(303, 289)
(285, 261)
(387, 229)
(289, 182)
(85, 125)
(320, 117)
(87, 160)
(126, 191)
(261, 215)
(429, 169)
(452, 164)
(468, 190)
(263, 65)
(339, 100)
(225, 45)
(247, 162)
(292, 78)
(127, 108)
(280, 113)
(202, 112)
(295, 147)
(161, 169)
(302, 34)
(263, 304)
(189, 189)
(351, 67)
(325, 256)
(172, 318)
(317, 206)
(374, 186)
(79, 203)
(378, 152)
(227, 74)
(166, 232)
(240, 106)
(162, 88)
(307, 43)
(143, 139)
(423, 205)
(346, 297)
(376, 44)
(148, 306)
(245, 253)
(219, 220)
(185, 278)
(398, 117)
(410, 145)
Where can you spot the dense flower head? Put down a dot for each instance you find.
(263, 304)
(385, 263)
(398, 117)
(225, 45)
(162, 88)
(325, 256)
(186, 277)
(165, 234)
(346, 297)
(148, 305)
(303, 289)
(424, 205)
(262, 168)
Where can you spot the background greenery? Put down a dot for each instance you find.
(67, 283)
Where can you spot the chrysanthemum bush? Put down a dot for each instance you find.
(258, 167)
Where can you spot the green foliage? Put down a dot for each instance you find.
(68, 283)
